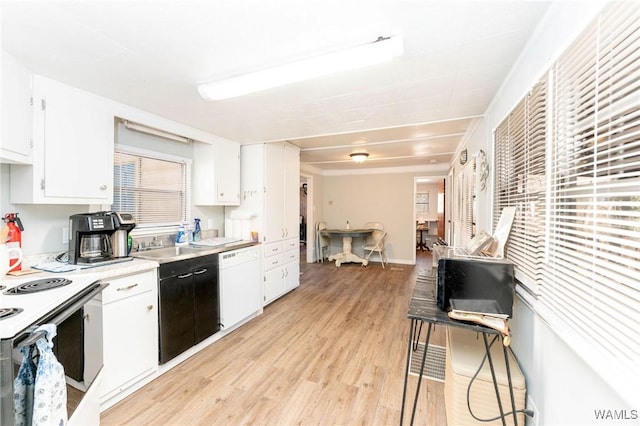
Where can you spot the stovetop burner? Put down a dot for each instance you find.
(38, 285)
(9, 312)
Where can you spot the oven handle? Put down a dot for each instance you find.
(33, 337)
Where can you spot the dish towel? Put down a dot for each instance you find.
(50, 389)
(23, 388)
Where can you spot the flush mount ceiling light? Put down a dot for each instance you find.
(381, 50)
(359, 157)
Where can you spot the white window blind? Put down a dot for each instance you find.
(591, 280)
(520, 160)
(153, 190)
(576, 236)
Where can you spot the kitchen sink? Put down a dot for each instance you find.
(170, 254)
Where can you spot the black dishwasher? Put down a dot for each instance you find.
(188, 305)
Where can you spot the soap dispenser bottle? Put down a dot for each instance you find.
(180, 236)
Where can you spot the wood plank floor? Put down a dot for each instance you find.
(332, 352)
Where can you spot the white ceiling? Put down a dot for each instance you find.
(413, 111)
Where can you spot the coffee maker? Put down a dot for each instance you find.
(92, 236)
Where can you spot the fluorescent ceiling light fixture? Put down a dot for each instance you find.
(359, 157)
(382, 50)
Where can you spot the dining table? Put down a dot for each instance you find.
(347, 255)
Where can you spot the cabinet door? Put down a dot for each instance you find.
(292, 264)
(274, 205)
(273, 284)
(291, 184)
(131, 341)
(206, 309)
(176, 321)
(76, 131)
(16, 112)
(291, 275)
(216, 173)
(227, 162)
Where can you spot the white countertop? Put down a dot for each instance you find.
(36, 305)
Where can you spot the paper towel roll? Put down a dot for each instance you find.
(246, 229)
(237, 228)
(228, 228)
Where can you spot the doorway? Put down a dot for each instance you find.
(307, 229)
(428, 212)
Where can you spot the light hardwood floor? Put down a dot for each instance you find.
(332, 352)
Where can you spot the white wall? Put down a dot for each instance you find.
(562, 387)
(386, 198)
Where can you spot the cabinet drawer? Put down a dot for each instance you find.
(273, 262)
(273, 249)
(131, 285)
(291, 256)
(292, 244)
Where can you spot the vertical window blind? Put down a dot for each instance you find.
(577, 244)
(467, 192)
(153, 190)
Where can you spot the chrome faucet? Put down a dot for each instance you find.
(149, 245)
(155, 243)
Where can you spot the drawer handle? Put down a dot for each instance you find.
(128, 287)
(201, 271)
(185, 275)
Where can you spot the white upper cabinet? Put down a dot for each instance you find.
(216, 173)
(72, 157)
(282, 181)
(15, 140)
(275, 228)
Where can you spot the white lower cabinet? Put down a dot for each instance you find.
(291, 264)
(273, 272)
(281, 268)
(130, 331)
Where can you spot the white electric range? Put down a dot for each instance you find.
(72, 304)
(31, 306)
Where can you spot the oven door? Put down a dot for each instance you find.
(83, 392)
(78, 347)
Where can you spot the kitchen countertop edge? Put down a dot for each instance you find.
(202, 251)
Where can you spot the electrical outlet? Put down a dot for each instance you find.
(65, 235)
